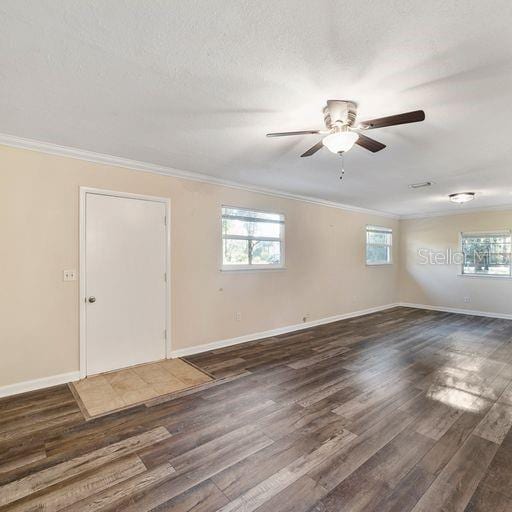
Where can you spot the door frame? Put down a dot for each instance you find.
(82, 266)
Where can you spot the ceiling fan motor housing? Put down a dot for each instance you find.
(340, 112)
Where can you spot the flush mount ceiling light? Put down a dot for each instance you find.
(341, 141)
(461, 197)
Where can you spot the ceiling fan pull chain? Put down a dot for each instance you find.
(341, 153)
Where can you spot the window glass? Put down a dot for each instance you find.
(486, 253)
(379, 241)
(251, 239)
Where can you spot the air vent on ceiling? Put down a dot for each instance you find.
(422, 184)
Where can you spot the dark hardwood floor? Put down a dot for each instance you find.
(395, 411)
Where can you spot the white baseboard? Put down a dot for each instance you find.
(64, 378)
(197, 349)
(444, 309)
(32, 385)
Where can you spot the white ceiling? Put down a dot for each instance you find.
(196, 84)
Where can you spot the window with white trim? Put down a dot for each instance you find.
(486, 253)
(379, 244)
(251, 239)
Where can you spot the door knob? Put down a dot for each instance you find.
(91, 299)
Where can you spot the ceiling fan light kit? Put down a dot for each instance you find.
(461, 197)
(340, 142)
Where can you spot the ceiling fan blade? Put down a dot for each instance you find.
(314, 149)
(369, 144)
(381, 122)
(303, 132)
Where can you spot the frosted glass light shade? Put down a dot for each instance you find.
(340, 142)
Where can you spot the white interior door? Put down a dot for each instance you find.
(125, 282)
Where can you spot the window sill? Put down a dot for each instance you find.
(252, 269)
(379, 264)
(485, 276)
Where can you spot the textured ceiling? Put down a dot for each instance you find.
(196, 84)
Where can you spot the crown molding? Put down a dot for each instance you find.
(445, 213)
(100, 158)
(126, 163)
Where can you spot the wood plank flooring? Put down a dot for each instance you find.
(402, 410)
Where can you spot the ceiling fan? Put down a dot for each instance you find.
(342, 132)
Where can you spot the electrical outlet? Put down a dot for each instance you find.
(238, 316)
(467, 300)
(69, 275)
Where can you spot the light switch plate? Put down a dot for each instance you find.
(69, 275)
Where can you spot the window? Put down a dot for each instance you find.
(486, 253)
(251, 239)
(379, 242)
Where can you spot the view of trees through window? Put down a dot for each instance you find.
(251, 237)
(486, 253)
(378, 245)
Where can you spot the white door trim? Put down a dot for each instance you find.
(83, 310)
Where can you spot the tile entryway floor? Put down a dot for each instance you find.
(109, 392)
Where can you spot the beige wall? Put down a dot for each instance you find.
(39, 218)
(441, 285)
